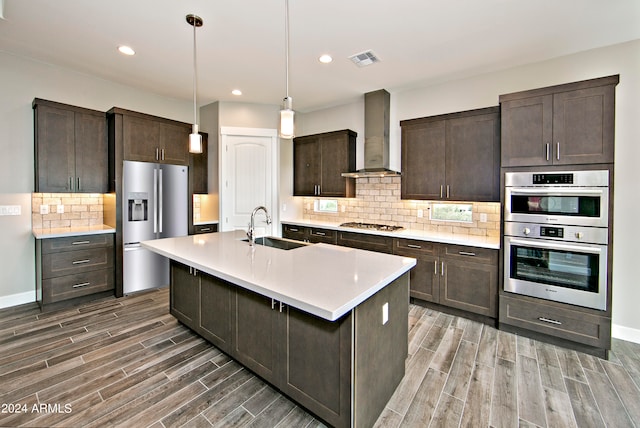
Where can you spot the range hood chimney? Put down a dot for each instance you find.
(376, 137)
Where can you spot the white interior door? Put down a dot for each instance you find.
(248, 178)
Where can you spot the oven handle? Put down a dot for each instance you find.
(556, 246)
(554, 191)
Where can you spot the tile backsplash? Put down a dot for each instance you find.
(80, 209)
(378, 201)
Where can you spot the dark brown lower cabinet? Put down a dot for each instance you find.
(454, 276)
(363, 241)
(309, 234)
(343, 371)
(71, 270)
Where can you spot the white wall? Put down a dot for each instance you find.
(22, 80)
(483, 91)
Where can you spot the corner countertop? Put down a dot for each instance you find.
(62, 232)
(421, 235)
(325, 280)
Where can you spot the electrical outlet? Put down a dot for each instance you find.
(483, 217)
(385, 313)
(44, 209)
(60, 209)
(284, 207)
(420, 213)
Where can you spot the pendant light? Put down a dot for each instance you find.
(195, 139)
(286, 114)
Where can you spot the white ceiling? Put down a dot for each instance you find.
(241, 44)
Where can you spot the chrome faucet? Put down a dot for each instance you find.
(251, 231)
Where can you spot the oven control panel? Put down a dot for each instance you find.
(588, 235)
(563, 178)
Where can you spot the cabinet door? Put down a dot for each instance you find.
(424, 278)
(306, 166)
(91, 153)
(469, 286)
(174, 143)
(322, 235)
(215, 311)
(141, 139)
(527, 131)
(317, 365)
(583, 126)
(363, 241)
(423, 162)
(185, 295)
(473, 158)
(298, 233)
(55, 149)
(335, 155)
(255, 333)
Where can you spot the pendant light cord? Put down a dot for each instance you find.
(195, 76)
(286, 35)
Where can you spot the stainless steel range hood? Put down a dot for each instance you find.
(376, 137)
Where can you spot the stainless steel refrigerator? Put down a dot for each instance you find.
(156, 199)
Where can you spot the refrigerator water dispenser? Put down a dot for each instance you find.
(138, 206)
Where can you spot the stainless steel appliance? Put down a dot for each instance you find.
(155, 202)
(574, 198)
(372, 226)
(556, 236)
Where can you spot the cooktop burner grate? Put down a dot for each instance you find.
(373, 226)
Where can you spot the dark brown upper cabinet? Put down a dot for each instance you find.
(71, 152)
(320, 159)
(452, 156)
(567, 124)
(149, 138)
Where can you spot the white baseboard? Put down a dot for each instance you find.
(625, 333)
(17, 299)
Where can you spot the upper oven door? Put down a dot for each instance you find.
(580, 206)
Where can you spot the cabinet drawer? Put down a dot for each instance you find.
(408, 246)
(472, 254)
(81, 284)
(76, 243)
(293, 232)
(322, 235)
(205, 228)
(556, 321)
(364, 241)
(73, 262)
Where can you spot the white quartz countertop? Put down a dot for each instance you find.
(325, 280)
(62, 232)
(421, 235)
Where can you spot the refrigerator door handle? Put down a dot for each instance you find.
(155, 204)
(160, 193)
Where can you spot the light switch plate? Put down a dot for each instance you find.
(60, 209)
(420, 213)
(483, 217)
(385, 313)
(10, 210)
(44, 209)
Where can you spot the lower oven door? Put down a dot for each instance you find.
(573, 273)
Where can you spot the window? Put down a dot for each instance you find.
(452, 212)
(326, 205)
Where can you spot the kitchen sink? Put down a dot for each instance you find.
(281, 243)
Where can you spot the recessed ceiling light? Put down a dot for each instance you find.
(126, 50)
(325, 59)
(236, 92)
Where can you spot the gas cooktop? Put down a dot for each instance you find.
(372, 226)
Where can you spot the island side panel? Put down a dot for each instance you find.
(380, 349)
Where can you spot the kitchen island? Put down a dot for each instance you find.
(326, 325)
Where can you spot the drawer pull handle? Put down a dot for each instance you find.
(83, 284)
(320, 233)
(418, 247)
(81, 243)
(80, 262)
(550, 321)
(293, 230)
(205, 229)
(466, 253)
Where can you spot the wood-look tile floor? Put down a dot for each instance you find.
(127, 362)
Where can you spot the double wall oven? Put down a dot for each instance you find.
(556, 236)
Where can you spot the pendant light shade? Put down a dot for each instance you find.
(287, 113)
(195, 139)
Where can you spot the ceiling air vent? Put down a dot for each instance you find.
(363, 59)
